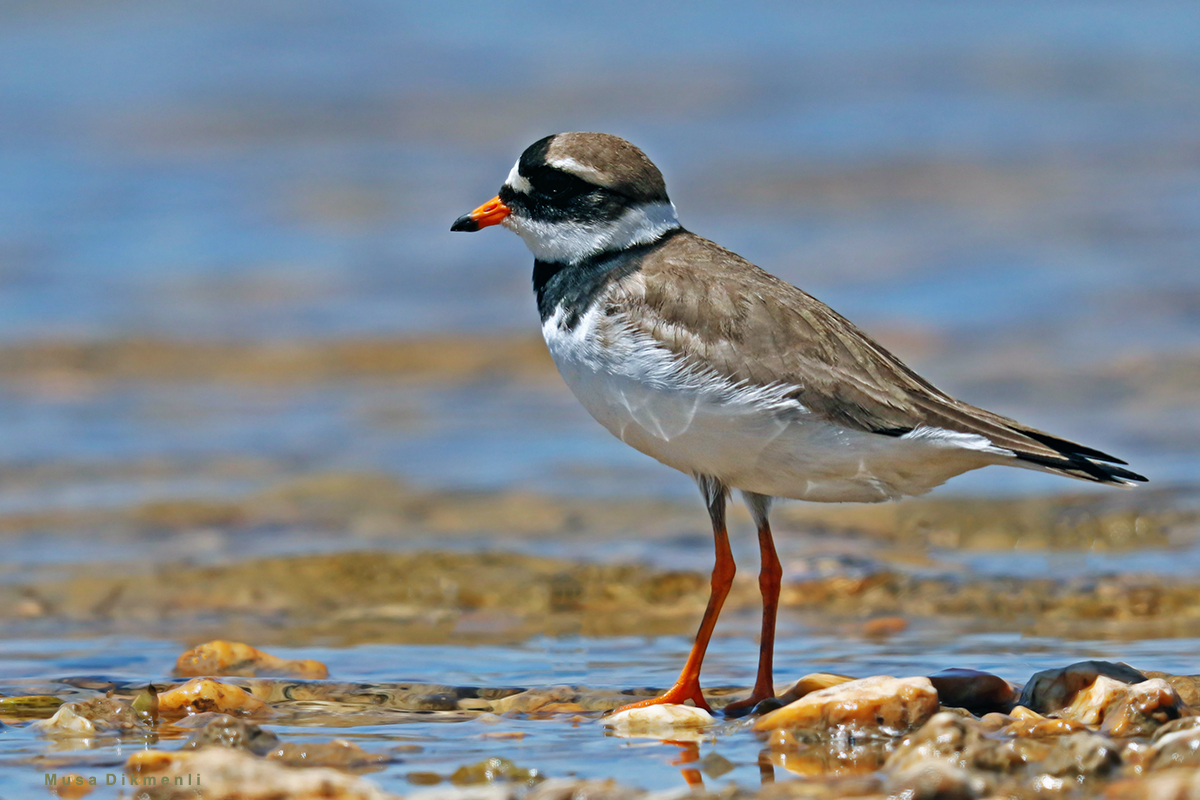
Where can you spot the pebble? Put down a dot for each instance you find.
(96, 717)
(881, 705)
(1054, 689)
(810, 683)
(1176, 744)
(661, 721)
(230, 773)
(978, 692)
(1123, 709)
(237, 659)
(203, 694)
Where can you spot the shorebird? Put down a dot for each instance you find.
(698, 358)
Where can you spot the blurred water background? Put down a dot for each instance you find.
(1009, 195)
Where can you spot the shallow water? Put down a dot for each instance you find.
(562, 745)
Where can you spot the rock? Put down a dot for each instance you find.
(661, 721)
(1022, 722)
(1186, 686)
(202, 694)
(814, 682)
(978, 692)
(961, 742)
(234, 658)
(491, 770)
(1176, 744)
(548, 698)
(1171, 784)
(836, 758)
(223, 730)
(233, 774)
(29, 707)
(1081, 755)
(96, 717)
(881, 705)
(565, 789)
(1054, 689)
(338, 753)
(1144, 708)
(1123, 709)
(936, 780)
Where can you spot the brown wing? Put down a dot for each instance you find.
(707, 304)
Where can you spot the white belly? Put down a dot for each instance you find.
(756, 439)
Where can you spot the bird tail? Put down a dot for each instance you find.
(1074, 460)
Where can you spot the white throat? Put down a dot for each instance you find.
(569, 242)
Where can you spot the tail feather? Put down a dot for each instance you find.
(1076, 461)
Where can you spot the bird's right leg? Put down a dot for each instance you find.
(687, 687)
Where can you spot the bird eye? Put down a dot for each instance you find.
(558, 184)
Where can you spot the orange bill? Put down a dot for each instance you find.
(492, 212)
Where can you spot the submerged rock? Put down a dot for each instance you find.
(881, 705)
(230, 774)
(201, 694)
(666, 721)
(222, 730)
(98, 716)
(235, 658)
(491, 770)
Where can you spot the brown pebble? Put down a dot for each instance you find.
(237, 659)
(885, 626)
(881, 704)
(202, 694)
(978, 692)
(423, 778)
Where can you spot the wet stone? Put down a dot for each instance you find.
(813, 682)
(201, 694)
(338, 753)
(237, 659)
(565, 789)
(936, 780)
(491, 770)
(1081, 755)
(98, 716)
(1143, 708)
(882, 706)
(222, 730)
(1186, 686)
(665, 721)
(978, 692)
(231, 774)
(29, 707)
(1176, 744)
(964, 742)
(1054, 689)
(1022, 722)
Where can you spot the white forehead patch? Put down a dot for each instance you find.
(516, 181)
(568, 164)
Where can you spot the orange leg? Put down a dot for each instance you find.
(768, 583)
(687, 687)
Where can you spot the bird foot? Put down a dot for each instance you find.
(678, 694)
(741, 708)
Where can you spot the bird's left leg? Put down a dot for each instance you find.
(769, 578)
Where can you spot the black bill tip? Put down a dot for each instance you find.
(465, 223)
